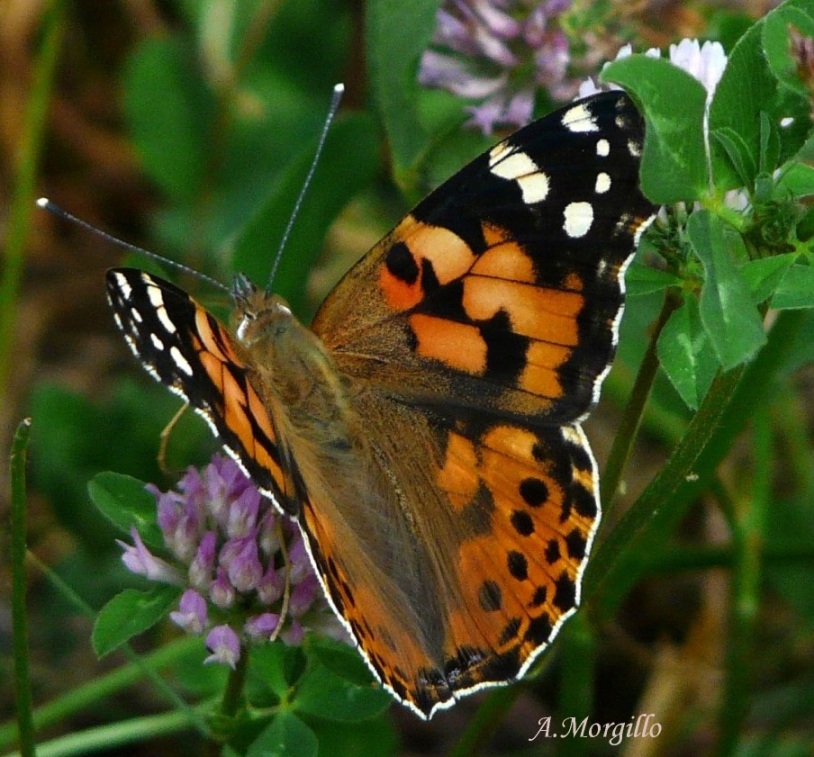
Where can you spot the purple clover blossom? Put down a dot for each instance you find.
(501, 53)
(262, 626)
(138, 559)
(224, 644)
(192, 612)
(221, 591)
(225, 545)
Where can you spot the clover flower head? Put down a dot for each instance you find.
(499, 52)
(225, 546)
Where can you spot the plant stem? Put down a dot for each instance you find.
(634, 411)
(619, 561)
(22, 203)
(747, 525)
(22, 682)
(223, 720)
(234, 685)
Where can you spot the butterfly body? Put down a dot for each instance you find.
(425, 431)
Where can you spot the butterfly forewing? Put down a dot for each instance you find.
(448, 496)
(186, 348)
(509, 277)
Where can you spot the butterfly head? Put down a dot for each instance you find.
(259, 314)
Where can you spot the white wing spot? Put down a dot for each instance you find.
(519, 167)
(579, 119)
(534, 187)
(603, 148)
(603, 183)
(578, 219)
(157, 343)
(124, 287)
(181, 361)
(634, 148)
(157, 301)
(569, 434)
(165, 320)
(155, 296)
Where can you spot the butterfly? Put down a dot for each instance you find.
(425, 430)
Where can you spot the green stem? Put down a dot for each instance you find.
(223, 720)
(619, 561)
(577, 672)
(747, 525)
(233, 694)
(634, 411)
(689, 557)
(103, 687)
(107, 738)
(19, 610)
(22, 203)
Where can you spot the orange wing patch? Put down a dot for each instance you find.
(534, 514)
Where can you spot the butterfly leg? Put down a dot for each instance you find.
(164, 439)
(287, 587)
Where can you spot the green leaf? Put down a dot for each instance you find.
(397, 34)
(377, 738)
(130, 613)
(727, 310)
(797, 181)
(796, 290)
(322, 693)
(643, 279)
(349, 163)
(274, 668)
(339, 658)
(674, 158)
(775, 40)
(125, 502)
(285, 736)
(765, 274)
(749, 87)
(686, 354)
(805, 226)
(170, 112)
(738, 153)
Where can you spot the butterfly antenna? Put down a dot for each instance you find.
(336, 98)
(46, 204)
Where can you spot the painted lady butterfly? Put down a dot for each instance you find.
(425, 432)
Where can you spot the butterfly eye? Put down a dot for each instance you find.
(247, 319)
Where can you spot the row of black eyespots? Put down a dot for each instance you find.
(562, 456)
(565, 588)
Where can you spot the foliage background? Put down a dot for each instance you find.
(186, 129)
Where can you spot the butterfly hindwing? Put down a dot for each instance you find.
(476, 559)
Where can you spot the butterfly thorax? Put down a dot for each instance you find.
(293, 371)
